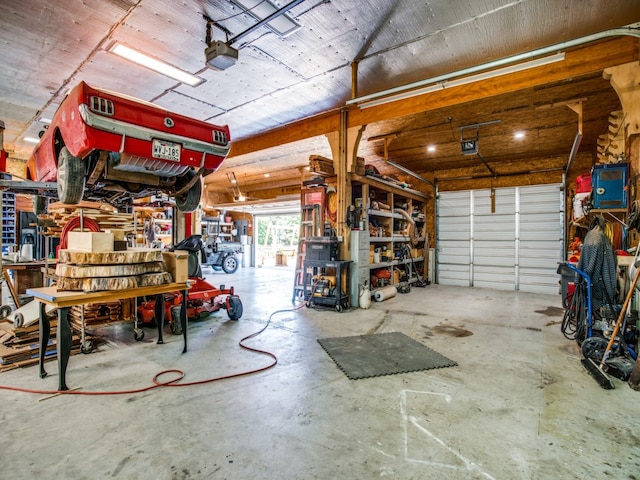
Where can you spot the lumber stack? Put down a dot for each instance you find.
(106, 215)
(95, 314)
(119, 270)
(20, 347)
(321, 165)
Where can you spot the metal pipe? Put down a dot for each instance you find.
(264, 21)
(630, 30)
(410, 172)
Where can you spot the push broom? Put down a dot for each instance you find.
(597, 371)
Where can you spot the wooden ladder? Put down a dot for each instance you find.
(309, 217)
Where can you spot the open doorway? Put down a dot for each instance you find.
(277, 240)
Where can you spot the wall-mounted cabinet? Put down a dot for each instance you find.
(393, 229)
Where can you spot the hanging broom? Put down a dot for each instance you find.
(597, 371)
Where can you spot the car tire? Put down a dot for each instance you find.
(70, 177)
(189, 201)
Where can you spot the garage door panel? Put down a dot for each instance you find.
(534, 212)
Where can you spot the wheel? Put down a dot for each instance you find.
(86, 346)
(138, 334)
(234, 307)
(70, 177)
(176, 324)
(18, 320)
(594, 348)
(189, 201)
(5, 310)
(338, 308)
(230, 264)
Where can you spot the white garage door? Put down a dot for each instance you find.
(515, 247)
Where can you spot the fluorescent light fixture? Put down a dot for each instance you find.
(31, 139)
(44, 120)
(518, 67)
(155, 65)
(282, 25)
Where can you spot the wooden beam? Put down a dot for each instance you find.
(580, 61)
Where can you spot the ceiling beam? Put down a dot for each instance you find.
(580, 61)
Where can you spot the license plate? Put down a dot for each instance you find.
(166, 150)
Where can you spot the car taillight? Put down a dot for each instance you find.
(220, 137)
(100, 105)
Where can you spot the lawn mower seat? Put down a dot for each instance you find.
(193, 245)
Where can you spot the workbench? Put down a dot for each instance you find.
(64, 300)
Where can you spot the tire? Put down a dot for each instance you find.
(230, 264)
(234, 307)
(594, 348)
(5, 310)
(176, 324)
(189, 201)
(70, 177)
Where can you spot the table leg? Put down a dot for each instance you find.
(183, 319)
(159, 314)
(45, 333)
(64, 345)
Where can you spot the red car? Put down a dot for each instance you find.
(107, 146)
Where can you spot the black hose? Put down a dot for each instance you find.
(574, 321)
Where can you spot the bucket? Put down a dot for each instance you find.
(26, 253)
(578, 204)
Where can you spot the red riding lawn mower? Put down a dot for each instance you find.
(202, 298)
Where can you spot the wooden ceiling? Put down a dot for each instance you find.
(286, 93)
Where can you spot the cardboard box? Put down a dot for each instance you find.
(177, 264)
(92, 242)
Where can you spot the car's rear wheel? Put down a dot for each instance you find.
(189, 201)
(70, 177)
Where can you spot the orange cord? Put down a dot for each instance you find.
(180, 374)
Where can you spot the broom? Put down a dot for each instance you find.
(597, 371)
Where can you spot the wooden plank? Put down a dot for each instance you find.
(118, 270)
(114, 283)
(140, 255)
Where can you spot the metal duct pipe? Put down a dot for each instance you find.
(630, 30)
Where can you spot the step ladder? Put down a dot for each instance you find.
(309, 225)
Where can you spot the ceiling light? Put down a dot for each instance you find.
(44, 120)
(431, 148)
(518, 135)
(442, 82)
(31, 139)
(267, 175)
(154, 64)
(282, 25)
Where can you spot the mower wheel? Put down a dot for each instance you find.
(234, 307)
(594, 348)
(138, 334)
(86, 346)
(230, 264)
(176, 324)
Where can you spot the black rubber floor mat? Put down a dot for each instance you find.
(380, 354)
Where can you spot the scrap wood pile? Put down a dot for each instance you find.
(105, 215)
(20, 347)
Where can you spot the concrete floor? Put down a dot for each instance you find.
(518, 406)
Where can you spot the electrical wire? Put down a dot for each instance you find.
(179, 374)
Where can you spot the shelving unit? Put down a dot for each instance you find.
(396, 249)
(216, 228)
(9, 238)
